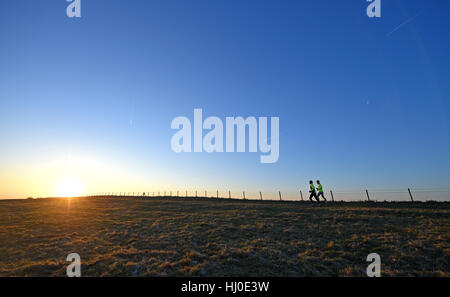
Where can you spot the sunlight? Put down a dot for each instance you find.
(69, 187)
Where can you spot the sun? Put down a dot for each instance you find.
(69, 187)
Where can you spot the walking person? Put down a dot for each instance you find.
(312, 190)
(320, 190)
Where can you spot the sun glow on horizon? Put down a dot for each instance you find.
(69, 187)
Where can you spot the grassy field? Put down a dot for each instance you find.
(211, 237)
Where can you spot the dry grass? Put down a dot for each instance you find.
(187, 237)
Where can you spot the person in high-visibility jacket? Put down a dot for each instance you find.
(312, 190)
(320, 190)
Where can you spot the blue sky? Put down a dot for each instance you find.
(360, 106)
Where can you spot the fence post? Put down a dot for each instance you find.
(229, 194)
(301, 194)
(217, 194)
(279, 193)
(410, 195)
(243, 194)
(260, 195)
(367, 193)
(332, 197)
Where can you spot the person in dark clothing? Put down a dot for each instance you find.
(312, 190)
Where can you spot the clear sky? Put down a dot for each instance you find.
(363, 103)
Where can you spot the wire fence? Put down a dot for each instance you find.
(376, 195)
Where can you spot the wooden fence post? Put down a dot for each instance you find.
(367, 193)
(279, 194)
(217, 194)
(243, 194)
(229, 194)
(260, 195)
(410, 195)
(332, 197)
(301, 194)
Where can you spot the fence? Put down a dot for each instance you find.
(409, 194)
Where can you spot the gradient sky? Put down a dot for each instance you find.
(363, 103)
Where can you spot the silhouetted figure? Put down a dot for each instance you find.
(320, 190)
(312, 190)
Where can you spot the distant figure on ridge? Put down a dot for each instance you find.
(320, 190)
(312, 190)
